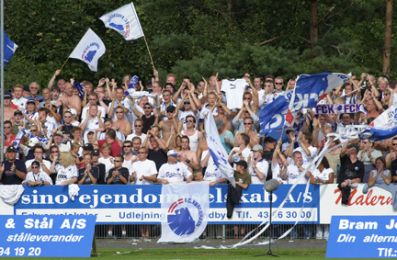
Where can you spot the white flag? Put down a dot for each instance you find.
(216, 149)
(184, 209)
(386, 120)
(125, 21)
(89, 49)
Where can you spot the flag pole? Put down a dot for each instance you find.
(150, 54)
(2, 78)
(63, 65)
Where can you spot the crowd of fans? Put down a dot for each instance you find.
(110, 133)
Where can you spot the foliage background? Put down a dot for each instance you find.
(199, 37)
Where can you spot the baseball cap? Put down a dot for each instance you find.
(242, 163)
(257, 148)
(172, 153)
(7, 95)
(31, 101)
(11, 149)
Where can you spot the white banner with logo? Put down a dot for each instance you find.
(184, 209)
(377, 202)
(387, 119)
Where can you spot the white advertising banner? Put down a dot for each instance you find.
(377, 202)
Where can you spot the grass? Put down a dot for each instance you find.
(218, 254)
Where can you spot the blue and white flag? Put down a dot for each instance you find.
(134, 81)
(9, 48)
(79, 87)
(184, 209)
(89, 49)
(216, 149)
(384, 126)
(310, 87)
(272, 117)
(125, 21)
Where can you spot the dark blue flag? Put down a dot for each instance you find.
(9, 49)
(272, 117)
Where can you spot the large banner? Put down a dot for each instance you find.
(141, 204)
(377, 202)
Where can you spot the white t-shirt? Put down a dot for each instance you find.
(173, 173)
(144, 168)
(20, 103)
(306, 158)
(92, 125)
(47, 164)
(261, 97)
(84, 113)
(193, 140)
(234, 90)
(294, 175)
(263, 166)
(64, 174)
(131, 136)
(324, 175)
(212, 173)
(40, 176)
(108, 162)
(128, 163)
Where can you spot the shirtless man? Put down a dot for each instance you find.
(69, 100)
(187, 156)
(120, 123)
(170, 125)
(9, 107)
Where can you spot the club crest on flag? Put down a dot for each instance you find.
(90, 52)
(184, 216)
(125, 21)
(89, 49)
(119, 23)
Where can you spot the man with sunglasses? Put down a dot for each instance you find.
(12, 171)
(118, 174)
(138, 126)
(130, 152)
(37, 177)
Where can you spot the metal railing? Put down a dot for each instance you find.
(215, 231)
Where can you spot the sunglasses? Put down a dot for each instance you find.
(126, 146)
(138, 125)
(54, 151)
(118, 161)
(35, 167)
(247, 123)
(186, 103)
